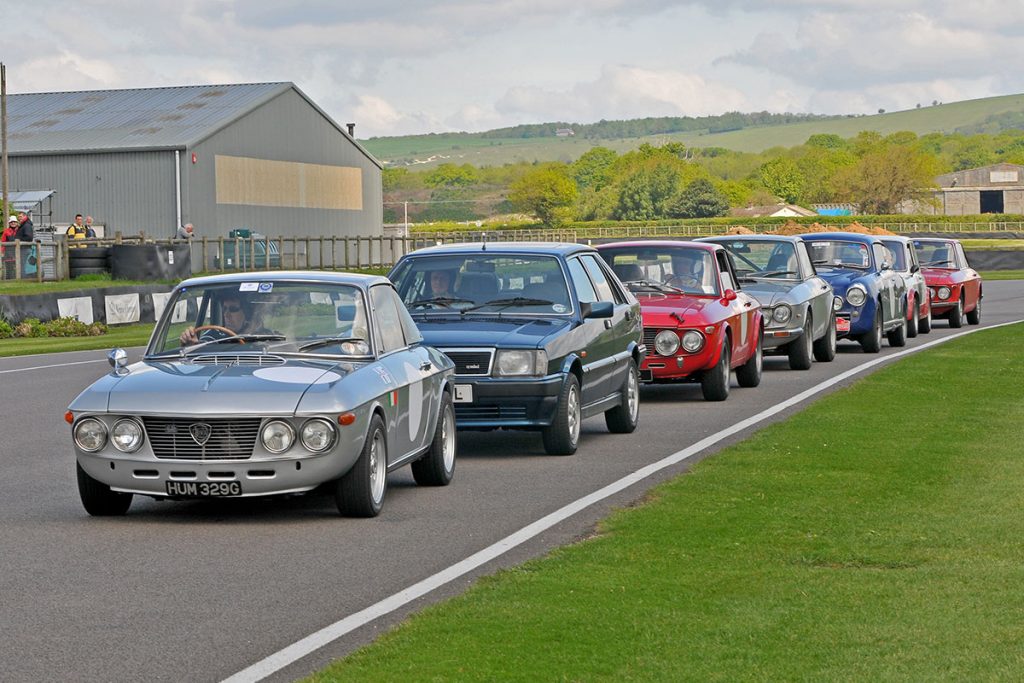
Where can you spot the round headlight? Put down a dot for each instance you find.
(126, 436)
(666, 342)
(944, 292)
(782, 313)
(837, 303)
(90, 434)
(856, 295)
(277, 436)
(693, 341)
(317, 435)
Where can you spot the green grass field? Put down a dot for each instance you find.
(1002, 274)
(124, 336)
(874, 536)
(461, 148)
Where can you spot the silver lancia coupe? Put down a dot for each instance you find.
(259, 384)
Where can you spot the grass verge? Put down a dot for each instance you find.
(1002, 274)
(875, 535)
(123, 336)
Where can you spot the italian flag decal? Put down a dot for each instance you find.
(393, 398)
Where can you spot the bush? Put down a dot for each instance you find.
(59, 327)
(30, 327)
(6, 330)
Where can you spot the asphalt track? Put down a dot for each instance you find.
(201, 591)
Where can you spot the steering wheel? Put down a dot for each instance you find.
(226, 331)
(684, 280)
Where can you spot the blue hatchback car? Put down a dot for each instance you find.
(542, 335)
(870, 297)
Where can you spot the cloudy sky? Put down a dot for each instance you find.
(404, 66)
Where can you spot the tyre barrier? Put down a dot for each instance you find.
(151, 261)
(88, 261)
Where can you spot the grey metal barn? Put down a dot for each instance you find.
(261, 156)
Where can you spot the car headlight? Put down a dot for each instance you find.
(277, 436)
(666, 342)
(126, 436)
(944, 292)
(782, 313)
(90, 434)
(837, 303)
(317, 435)
(521, 363)
(693, 341)
(856, 295)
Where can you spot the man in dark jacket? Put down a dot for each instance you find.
(25, 233)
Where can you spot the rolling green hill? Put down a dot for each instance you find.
(459, 148)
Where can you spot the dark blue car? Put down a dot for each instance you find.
(870, 297)
(542, 335)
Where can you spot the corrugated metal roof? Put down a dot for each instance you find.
(145, 118)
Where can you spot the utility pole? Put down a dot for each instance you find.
(3, 133)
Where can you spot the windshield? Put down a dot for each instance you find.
(650, 269)
(754, 259)
(483, 283)
(279, 317)
(935, 254)
(840, 254)
(898, 254)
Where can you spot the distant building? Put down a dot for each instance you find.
(564, 132)
(261, 156)
(998, 188)
(784, 210)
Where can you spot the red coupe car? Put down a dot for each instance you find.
(955, 287)
(698, 324)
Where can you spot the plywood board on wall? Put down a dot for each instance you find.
(263, 182)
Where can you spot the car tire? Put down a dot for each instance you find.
(913, 325)
(749, 374)
(871, 342)
(800, 350)
(898, 336)
(956, 316)
(974, 316)
(825, 348)
(563, 436)
(714, 383)
(924, 325)
(360, 492)
(623, 418)
(78, 263)
(97, 498)
(437, 466)
(76, 253)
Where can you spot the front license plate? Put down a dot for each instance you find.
(842, 324)
(463, 393)
(204, 489)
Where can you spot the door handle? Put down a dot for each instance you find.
(747, 305)
(425, 365)
(824, 288)
(607, 324)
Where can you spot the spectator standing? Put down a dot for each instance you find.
(8, 252)
(90, 233)
(25, 233)
(185, 231)
(77, 230)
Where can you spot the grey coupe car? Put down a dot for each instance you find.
(797, 303)
(258, 384)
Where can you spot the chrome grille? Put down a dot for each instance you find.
(466, 412)
(472, 362)
(649, 334)
(260, 359)
(230, 438)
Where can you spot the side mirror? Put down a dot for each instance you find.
(598, 309)
(729, 295)
(915, 268)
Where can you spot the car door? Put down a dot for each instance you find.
(614, 338)
(820, 293)
(742, 310)
(590, 337)
(398, 367)
(972, 281)
(887, 287)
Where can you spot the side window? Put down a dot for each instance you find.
(604, 290)
(962, 255)
(882, 256)
(412, 333)
(806, 267)
(584, 290)
(389, 322)
(726, 271)
(912, 255)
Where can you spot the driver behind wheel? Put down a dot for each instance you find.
(236, 315)
(687, 269)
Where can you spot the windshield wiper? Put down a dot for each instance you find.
(657, 286)
(937, 264)
(513, 301)
(773, 273)
(327, 341)
(445, 301)
(188, 350)
(829, 264)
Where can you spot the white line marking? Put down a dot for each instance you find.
(56, 365)
(311, 643)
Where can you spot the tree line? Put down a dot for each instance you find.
(874, 172)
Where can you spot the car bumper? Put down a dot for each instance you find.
(503, 402)
(780, 336)
(939, 307)
(657, 368)
(858, 320)
(257, 477)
